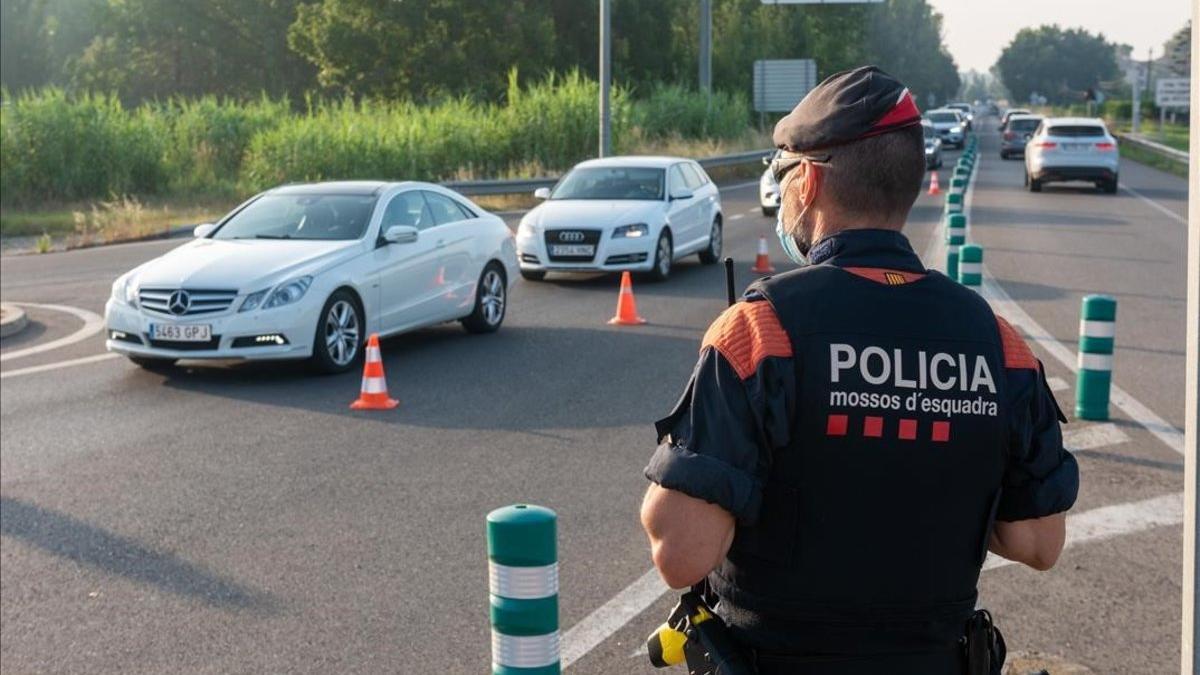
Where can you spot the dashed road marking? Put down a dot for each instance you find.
(737, 216)
(59, 364)
(738, 186)
(1093, 436)
(753, 210)
(92, 323)
(1107, 522)
(1057, 384)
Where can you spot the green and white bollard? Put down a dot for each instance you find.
(970, 266)
(1097, 328)
(958, 184)
(523, 579)
(956, 236)
(954, 202)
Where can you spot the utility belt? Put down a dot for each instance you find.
(694, 634)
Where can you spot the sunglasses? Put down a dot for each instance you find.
(781, 165)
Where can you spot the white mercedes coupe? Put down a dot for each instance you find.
(622, 213)
(308, 271)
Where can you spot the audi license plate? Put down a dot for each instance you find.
(572, 249)
(179, 332)
(1076, 147)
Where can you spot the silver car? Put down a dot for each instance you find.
(933, 147)
(768, 189)
(949, 125)
(1072, 149)
(1016, 133)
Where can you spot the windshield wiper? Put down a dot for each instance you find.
(272, 236)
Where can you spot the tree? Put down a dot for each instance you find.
(905, 39)
(1058, 64)
(1177, 52)
(157, 48)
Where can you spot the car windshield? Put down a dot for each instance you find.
(611, 183)
(301, 216)
(1076, 130)
(943, 117)
(1023, 125)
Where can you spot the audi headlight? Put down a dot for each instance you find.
(253, 300)
(286, 294)
(631, 231)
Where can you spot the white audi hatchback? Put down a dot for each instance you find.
(622, 213)
(308, 271)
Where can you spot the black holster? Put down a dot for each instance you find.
(985, 645)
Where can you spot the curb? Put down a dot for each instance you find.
(12, 320)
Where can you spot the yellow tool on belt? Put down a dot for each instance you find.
(693, 633)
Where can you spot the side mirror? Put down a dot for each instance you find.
(203, 230)
(541, 193)
(401, 234)
(683, 194)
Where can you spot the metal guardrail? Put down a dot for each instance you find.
(1157, 148)
(517, 185)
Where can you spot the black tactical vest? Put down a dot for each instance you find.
(875, 518)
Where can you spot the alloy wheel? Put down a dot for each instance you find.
(342, 333)
(491, 298)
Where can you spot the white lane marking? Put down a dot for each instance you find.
(611, 616)
(752, 211)
(1107, 522)
(1093, 436)
(1159, 207)
(1004, 305)
(58, 364)
(92, 323)
(737, 216)
(1057, 384)
(738, 186)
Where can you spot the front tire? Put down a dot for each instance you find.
(491, 301)
(664, 256)
(339, 337)
(770, 211)
(712, 253)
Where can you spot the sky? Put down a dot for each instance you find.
(975, 31)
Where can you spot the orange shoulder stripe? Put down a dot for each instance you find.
(747, 333)
(1016, 351)
(884, 276)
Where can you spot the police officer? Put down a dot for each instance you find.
(859, 432)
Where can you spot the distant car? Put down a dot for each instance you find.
(933, 147)
(1072, 149)
(948, 124)
(965, 109)
(1016, 133)
(622, 213)
(1013, 111)
(768, 189)
(309, 271)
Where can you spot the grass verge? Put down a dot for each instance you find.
(1143, 156)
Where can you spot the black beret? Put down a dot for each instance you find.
(847, 106)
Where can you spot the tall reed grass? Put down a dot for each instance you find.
(58, 147)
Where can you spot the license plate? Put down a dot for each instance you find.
(1076, 147)
(572, 249)
(177, 332)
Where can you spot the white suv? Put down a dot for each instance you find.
(1072, 149)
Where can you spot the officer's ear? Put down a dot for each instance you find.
(808, 179)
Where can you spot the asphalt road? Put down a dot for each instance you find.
(243, 519)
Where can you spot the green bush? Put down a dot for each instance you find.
(60, 148)
(209, 137)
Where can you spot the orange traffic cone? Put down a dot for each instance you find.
(626, 307)
(762, 264)
(933, 184)
(374, 395)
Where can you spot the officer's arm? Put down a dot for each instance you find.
(688, 536)
(1036, 542)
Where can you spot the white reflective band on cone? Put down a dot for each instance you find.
(1098, 329)
(373, 354)
(374, 385)
(762, 245)
(970, 268)
(523, 583)
(524, 651)
(1095, 361)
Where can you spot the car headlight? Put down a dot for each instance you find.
(124, 290)
(286, 294)
(631, 231)
(253, 300)
(956, 130)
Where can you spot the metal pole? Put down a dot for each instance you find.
(1137, 100)
(1190, 638)
(705, 78)
(605, 76)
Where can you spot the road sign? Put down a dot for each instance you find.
(779, 84)
(1173, 92)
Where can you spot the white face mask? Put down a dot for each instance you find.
(795, 251)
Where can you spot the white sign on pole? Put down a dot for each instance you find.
(779, 84)
(1174, 92)
(819, 2)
